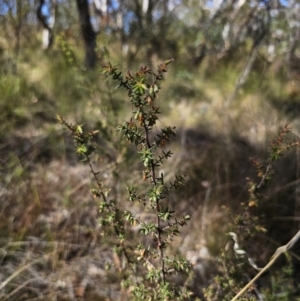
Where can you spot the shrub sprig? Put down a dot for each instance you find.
(143, 88)
(150, 267)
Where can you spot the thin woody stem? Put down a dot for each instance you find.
(116, 229)
(263, 179)
(159, 230)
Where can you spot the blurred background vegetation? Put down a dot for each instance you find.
(235, 80)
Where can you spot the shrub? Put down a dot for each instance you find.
(149, 271)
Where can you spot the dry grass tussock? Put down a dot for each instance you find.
(51, 245)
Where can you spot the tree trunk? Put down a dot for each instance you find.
(88, 33)
(47, 22)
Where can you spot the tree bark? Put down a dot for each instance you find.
(88, 33)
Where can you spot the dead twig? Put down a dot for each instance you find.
(277, 253)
